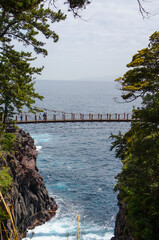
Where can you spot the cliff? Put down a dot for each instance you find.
(122, 231)
(28, 195)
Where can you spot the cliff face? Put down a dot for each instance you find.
(122, 231)
(28, 195)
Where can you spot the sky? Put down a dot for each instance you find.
(98, 45)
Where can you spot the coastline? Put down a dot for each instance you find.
(29, 197)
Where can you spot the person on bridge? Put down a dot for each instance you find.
(40, 116)
(21, 117)
(45, 116)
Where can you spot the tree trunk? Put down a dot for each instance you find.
(5, 114)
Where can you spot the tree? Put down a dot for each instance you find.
(16, 85)
(143, 77)
(138, 149)
(23, 20)
(23, 5)
(26, 25)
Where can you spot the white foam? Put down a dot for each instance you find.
(91, 236)
(108, 236)
(45, 238)
(58, 227)
(38, 148)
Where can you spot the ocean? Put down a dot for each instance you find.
(75, 160)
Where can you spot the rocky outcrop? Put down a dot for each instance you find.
(29, 197)
(122, 231)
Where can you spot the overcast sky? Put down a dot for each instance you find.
(102, 45)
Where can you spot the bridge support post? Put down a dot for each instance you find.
(72, 116)
(118, 116)
(99, 116)
(26, 119)
(35, 118)
(54, 117)
(63, 117)
(124, 116)
(90, 116)
(127, 116)
(81, 116)
(109, 116)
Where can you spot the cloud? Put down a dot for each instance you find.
(101, 44)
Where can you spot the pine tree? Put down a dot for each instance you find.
(138, 149)
(16, 82)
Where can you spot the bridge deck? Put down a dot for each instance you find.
(73, 121)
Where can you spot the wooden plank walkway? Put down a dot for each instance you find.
(74, 121)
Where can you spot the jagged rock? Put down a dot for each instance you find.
(122, 231)
(28, 195)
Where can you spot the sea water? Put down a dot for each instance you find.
(75, 160)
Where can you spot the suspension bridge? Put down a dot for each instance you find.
(54, 116)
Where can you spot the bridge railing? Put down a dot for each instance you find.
(56, 117)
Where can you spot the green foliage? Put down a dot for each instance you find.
(150, 111)
(119, 144)
(139, 182)
(138, 149)
(7, 141)
(16, 85)
(25, 21)
(3, 215)
(5, 185)
(144, 76)
(78, 3)
(5, 180)
(25, 5)
(22, 21)
(26, 25)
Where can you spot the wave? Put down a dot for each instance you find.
(62, 228)
(38, 148)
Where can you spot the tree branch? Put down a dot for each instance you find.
(142, 9)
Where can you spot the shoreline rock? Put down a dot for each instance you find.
(121, 231)
(28, 196)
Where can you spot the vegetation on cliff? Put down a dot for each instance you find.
(24, 200)
(6, 145)
(138, 149)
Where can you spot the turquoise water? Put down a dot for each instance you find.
(76, 162)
